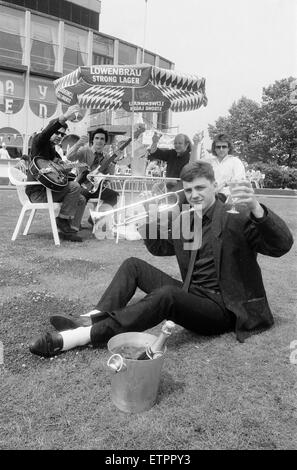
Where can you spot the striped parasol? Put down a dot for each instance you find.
(136, 88)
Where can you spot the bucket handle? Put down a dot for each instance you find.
(116, 363)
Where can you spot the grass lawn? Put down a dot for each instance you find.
(215, 393)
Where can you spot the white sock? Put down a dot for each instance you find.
(77, 337)
(92, 312)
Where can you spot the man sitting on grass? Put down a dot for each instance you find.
(222, 288)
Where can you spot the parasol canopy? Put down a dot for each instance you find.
(135, 88)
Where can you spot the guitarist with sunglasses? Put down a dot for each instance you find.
(73, 203)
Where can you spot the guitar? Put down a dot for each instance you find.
(52, 174)
(96, 176)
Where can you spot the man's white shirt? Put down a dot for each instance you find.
(229, 169)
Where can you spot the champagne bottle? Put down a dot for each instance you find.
(157, 348)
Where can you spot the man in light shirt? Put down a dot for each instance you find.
(226, 167)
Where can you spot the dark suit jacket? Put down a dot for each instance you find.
(236, 240)
(175, 163)
(41, 145)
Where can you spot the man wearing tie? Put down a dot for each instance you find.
(221, 287)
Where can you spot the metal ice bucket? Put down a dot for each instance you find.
(134, 384)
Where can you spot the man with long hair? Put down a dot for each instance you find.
(227, 167)
(95, 158)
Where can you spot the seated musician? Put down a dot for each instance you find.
(98, 163)
(73, 203)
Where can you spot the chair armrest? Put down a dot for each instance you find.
(28, 183)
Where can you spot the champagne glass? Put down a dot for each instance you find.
(233, 185)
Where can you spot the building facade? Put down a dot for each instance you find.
(42, 40)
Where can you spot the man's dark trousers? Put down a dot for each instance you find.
(203, 313)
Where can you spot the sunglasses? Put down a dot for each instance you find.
(60, 133)
(221, 146)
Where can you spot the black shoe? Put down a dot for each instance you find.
(64, 225)
(66, 322)
(71, 237)
(47, 345)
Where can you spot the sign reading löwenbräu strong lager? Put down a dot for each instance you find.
(123, 76)
(148, 100)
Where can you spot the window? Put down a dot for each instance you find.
(127, 54)
(21, 3)
(75, 48)
(42, 56)
(101, 60)
(65, 11)
(94, 20)
(44, 47)
(102, 50)
(11, 50)
(72, 60)
(149, 58)
(103, 45)
(31, 4)
(54, 7)
(43, 6)
(164, 64)
(76, 14)
(62, 9)
(85, 17)
(12, 40)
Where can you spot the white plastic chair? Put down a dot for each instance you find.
(19, 179)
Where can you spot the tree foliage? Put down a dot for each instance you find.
(264, 132)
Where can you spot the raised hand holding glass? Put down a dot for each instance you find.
(241, 193)
(232, 185)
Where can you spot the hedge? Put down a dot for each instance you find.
(277, 176)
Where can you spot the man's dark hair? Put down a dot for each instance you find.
(199, 169)
(64, 126)
(221, 138)
(100, 130)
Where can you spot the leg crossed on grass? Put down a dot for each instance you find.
(164, 300)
